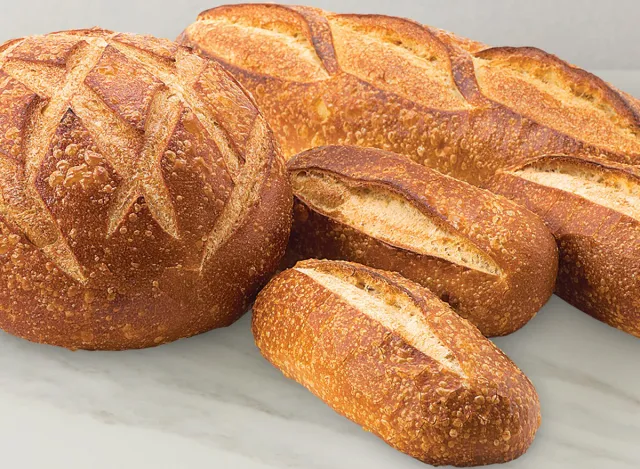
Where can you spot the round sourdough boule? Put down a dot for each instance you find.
(142, 197)
(389, 355)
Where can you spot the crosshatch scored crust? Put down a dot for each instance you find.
(493, 261)
(126, 163)
(387, 354)
(456, 105)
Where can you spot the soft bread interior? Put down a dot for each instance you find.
(613, 190)
(547, 95)
(385, 215)
(394, 311)
(415, 67)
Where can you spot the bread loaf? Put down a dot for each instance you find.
(459, 106)
(492, 261)
(593, 208)
(455, 105)
(142, 196)
(387, 354)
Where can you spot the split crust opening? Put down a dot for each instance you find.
(393, 310)
(381, 213)
(611, 189)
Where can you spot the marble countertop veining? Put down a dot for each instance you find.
(212, 401)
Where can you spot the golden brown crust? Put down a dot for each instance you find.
(598, 231)
(517, 104)
(142, 196)
(512, 239)
(580, 81)
(363, 88)
(482, 411)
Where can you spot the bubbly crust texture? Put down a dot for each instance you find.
(464, 108)
(459, 106)
(143, 197)
(592, 208)
(494, 262)
(389, 355)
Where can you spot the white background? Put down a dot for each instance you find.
(594, 34)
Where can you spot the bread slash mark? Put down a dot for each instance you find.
(609, 188)
(397, 313)
(387, 216)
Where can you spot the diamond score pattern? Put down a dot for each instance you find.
(134, 155)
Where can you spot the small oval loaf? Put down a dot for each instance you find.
(142, 196)
(389, 355)
(492, 261)
(593, 209)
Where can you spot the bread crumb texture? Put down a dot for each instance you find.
(142, 197)
(389, 355)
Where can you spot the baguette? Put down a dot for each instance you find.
(492, 261)
(458, 106)
(142, 195)
(389, 355)
(593, 209)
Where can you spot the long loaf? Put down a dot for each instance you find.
(458, 106)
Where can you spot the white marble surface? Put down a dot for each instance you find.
(212, 401)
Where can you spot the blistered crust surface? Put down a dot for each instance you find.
(453, 104)
(455, 399)
(127, 163)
